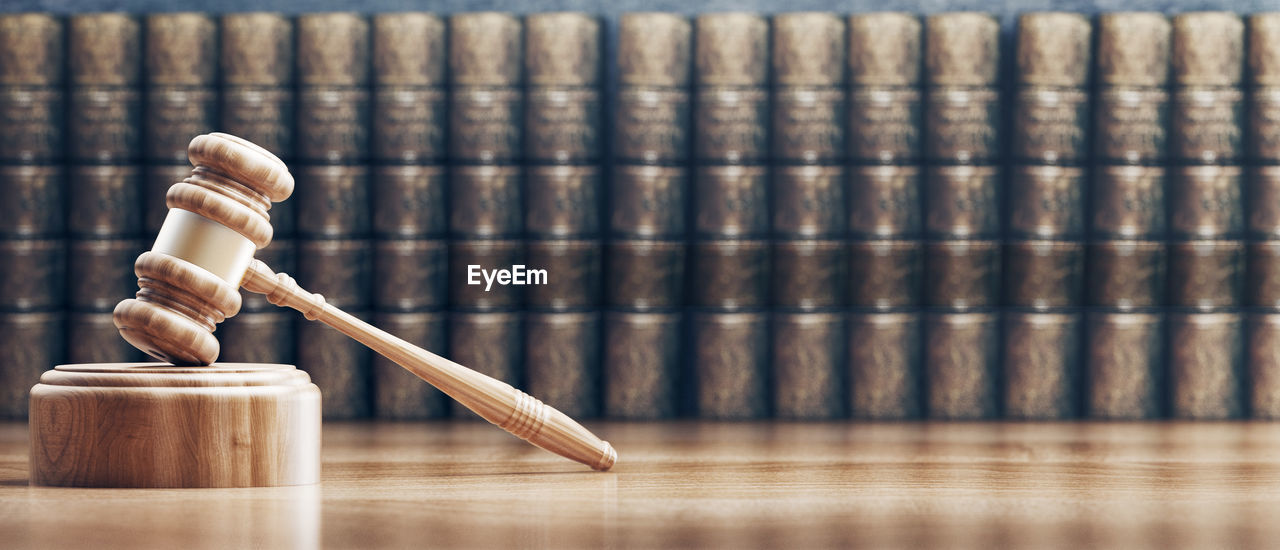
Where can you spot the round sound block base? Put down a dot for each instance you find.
(157, 425)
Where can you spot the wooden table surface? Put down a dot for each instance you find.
(780, 485)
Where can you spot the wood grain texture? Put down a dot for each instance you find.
(178, 305)
(522, 415)
(187, 282)
(156, 425)
(728, 485)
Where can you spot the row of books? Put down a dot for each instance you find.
(807, 215)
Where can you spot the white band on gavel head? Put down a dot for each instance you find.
(205, 243)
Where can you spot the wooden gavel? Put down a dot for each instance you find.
(187, 285)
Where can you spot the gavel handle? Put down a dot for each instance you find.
(496, 401)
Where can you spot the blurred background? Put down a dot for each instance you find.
(764, 214)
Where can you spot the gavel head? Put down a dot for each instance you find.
(189, 281)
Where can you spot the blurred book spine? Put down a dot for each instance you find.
(729, 257)
(181, 67)
(962, 217)
(105, 211)
(1044, 254)
(1206, 218)
(32, 215)
(563, 195)
(410, 257)
(1262, 222)
(486, 193)
(808, 218)
(1125, 370)
(332, 200)
(648, 209)
(884, 216)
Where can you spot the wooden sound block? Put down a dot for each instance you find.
(157, 425)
